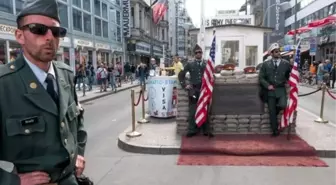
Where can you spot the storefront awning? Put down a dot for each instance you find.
(322, 22)
(299, 30)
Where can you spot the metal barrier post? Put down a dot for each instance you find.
(143, 120)
(133, 133)
(320, 119)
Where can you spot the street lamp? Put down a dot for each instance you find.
(283, 7)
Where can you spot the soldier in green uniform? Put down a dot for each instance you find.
(41, 122)
(196, 69)
(273, 77)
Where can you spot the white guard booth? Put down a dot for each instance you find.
(237, 44)
(162, 96)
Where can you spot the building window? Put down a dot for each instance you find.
(77, 3)
(251, 55)
(77, 19)
(113, 16)
(87, 5)
(113, 33)
(98, 27)
(63, 13)
(104, 10)
(64, 0)
(118, 34)
(230, 52)
(118, 2)
(87, 23)
(97, 7)
(163, 35)
(105, 29)
(331, 9)
(6, 6)
(118, 17)
(18, 5)
(325, 12)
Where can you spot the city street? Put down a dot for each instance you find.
(107, 117)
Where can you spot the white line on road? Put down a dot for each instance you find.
(314, 115)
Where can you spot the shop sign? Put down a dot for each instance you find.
(83, 43)
(246, 20)
(126, 14)
(7, 29)
(102, 46)
(162, 96)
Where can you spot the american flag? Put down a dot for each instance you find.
(293, 93)
(207, 87)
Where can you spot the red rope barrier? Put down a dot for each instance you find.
(145, 99)
(331, 95)
(136, 104)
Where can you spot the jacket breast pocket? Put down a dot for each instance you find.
(25, 126)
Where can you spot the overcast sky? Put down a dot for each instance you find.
(210, 7)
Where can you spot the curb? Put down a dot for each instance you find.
(171, 150)
(142, 149)
(332, 91)
(106, 94)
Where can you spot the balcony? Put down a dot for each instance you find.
(164, 24)
(137, 32)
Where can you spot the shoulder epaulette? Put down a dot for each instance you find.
(7, 69)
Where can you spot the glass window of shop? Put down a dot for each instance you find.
(230, 52)
(14, 51)
(251, 55)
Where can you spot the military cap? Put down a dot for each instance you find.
(273, 47)
(48, 8)
(197, 47)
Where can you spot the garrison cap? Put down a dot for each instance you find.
(273, 47)
(197, 47)
(48, 8)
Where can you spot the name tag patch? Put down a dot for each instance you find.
(29, 121)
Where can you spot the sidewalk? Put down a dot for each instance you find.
(159, 136)
(95, 93)
(315, 87)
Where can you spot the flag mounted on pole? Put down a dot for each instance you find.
(293, 93)
(159, 9)
(208, 80)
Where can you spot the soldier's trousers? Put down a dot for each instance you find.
(192, 127)
(275, 105)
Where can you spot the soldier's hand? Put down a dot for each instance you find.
(34, 178)
(80, 165)
(270, 87)
(188, 87)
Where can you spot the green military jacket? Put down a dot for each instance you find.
(276, 76)
(195, 70)
(36, 135)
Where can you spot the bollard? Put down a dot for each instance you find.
(320, 119)
(133, 133)
(143, 120)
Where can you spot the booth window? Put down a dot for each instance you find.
(251, 55)
(230, 52)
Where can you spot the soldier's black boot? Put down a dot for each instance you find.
(209, 134)
(190, 134)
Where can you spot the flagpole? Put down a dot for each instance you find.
(202, 29)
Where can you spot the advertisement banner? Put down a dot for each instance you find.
(162, 96)
(313, 46)
(126, 5)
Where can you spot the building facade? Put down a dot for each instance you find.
(145, 39)
(94, 31)
(179, 24)
(324, 36)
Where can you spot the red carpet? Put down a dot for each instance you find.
(248, 150)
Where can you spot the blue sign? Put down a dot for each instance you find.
(313, 46)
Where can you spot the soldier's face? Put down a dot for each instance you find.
(198, 54)
(276, 53)
(39, 37)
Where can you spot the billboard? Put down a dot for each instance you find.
(126, 13)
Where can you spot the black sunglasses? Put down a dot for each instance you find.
(198, 52)
(41, 29)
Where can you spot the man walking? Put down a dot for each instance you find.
(196, 69)
(273, 77)
(41, 123)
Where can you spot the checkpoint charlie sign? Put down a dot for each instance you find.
(239, 19)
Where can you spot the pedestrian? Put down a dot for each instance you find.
(273, 77)
(196, 69)
(102, 77)
(41, 123)
(333, 76)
